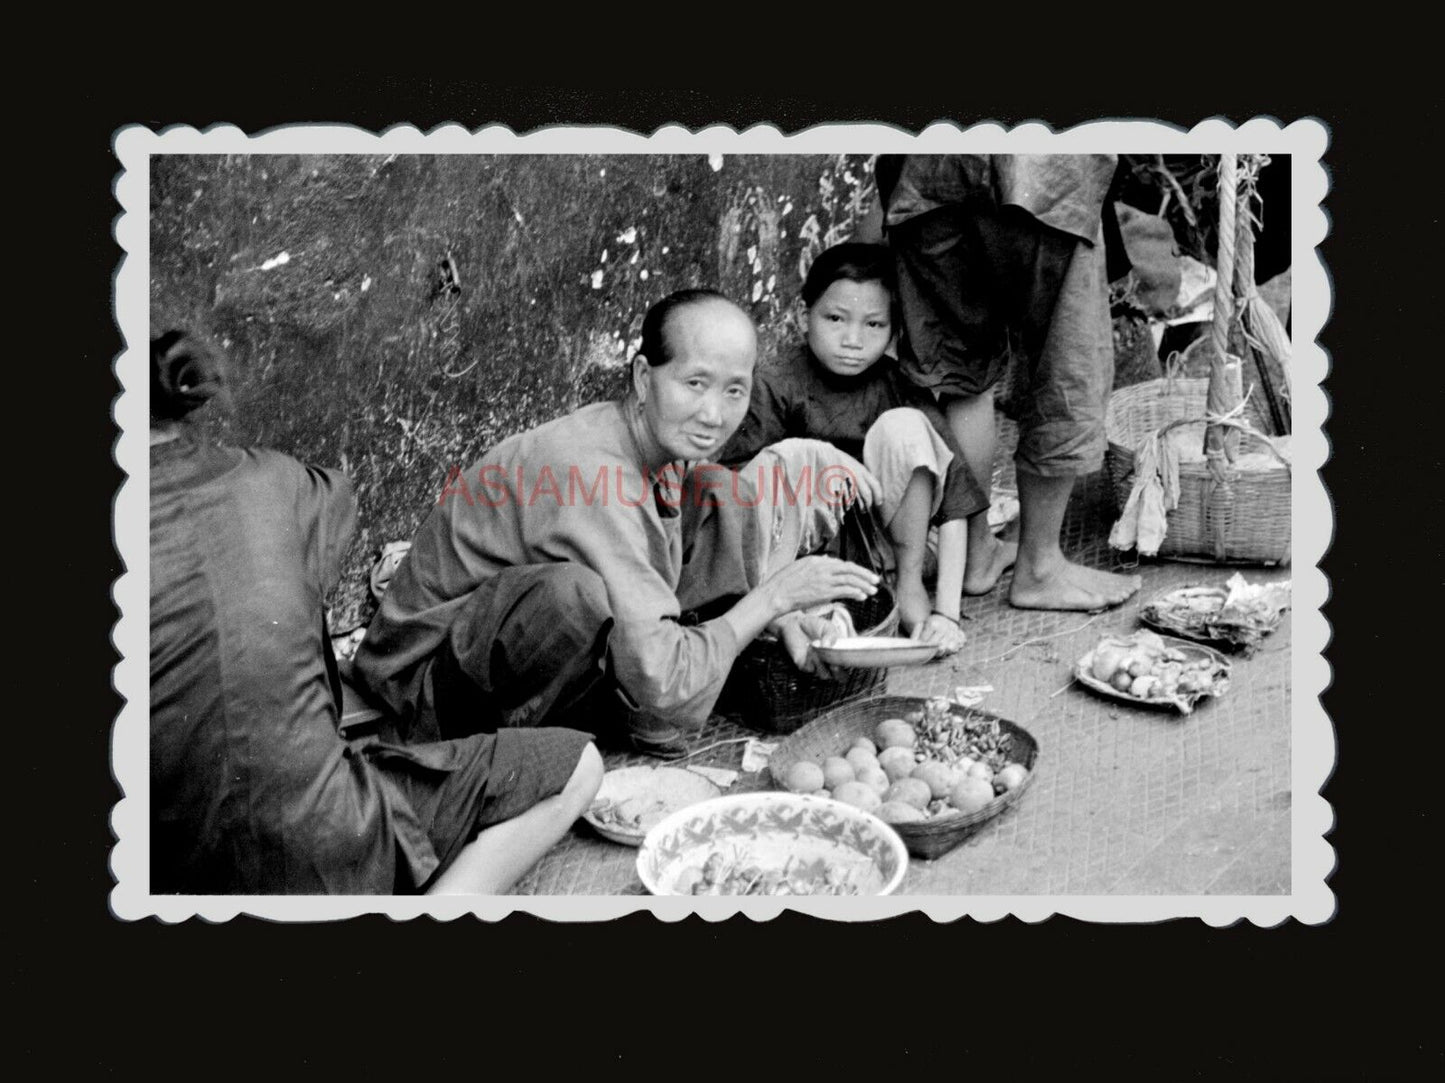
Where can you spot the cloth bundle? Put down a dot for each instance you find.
(1143, 524)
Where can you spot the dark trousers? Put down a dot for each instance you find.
(979, 284)
(529, 649)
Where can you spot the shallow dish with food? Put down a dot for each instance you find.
(631, 800)
(1150, 670)
(875, 652)
(772, 844)
(1237, 615)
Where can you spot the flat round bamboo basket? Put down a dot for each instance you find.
(1246, 522)
(834, 733)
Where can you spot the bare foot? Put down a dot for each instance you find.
(1114, 588)
(938, 629)
(983, 574)
(1067, 586)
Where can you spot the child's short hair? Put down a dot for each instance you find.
(851, 261)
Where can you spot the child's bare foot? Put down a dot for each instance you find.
(946, 633)
(983, 571)
(1062, 585)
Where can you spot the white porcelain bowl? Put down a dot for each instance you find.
(807, 836)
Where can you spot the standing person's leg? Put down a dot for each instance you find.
(1061, 437)
(972, 420)
(950, 293)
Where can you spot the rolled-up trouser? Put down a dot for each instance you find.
(977, 283)
(898, 443)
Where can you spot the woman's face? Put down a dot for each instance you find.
(694, 402)
(849, 326)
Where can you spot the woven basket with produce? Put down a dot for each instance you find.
(934, 769)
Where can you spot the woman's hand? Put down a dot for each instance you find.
(798, 632)
(810, 581)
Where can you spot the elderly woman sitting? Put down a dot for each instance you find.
(548, 583)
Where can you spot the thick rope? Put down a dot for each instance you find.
(1224, 263)
(1244, 290)
(1259, 324)
(1221, 446)
(1244, 230)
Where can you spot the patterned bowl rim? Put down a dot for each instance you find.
(891, 838)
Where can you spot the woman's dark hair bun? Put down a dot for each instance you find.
(186, 373)
(655, 345)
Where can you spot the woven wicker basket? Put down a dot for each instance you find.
(767, 692)
(834, 733)
(1249, 522)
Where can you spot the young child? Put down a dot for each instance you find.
(841, 385)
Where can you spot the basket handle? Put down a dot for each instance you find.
(862, 524)
(1231, 420)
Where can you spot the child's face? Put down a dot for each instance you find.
(849, 326)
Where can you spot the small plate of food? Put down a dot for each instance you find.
(1151, 670)
(1238, 614)
(633, 800)
(875, 652)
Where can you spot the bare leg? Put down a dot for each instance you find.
(497, 858)
(1044, 579)
(952, 566)
(942, 625)
(971, 420)
(909, 531)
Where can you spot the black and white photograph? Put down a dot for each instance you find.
(852, 521)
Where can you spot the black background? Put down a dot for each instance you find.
(1346, 999)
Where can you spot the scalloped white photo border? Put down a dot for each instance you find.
(1312, 737)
